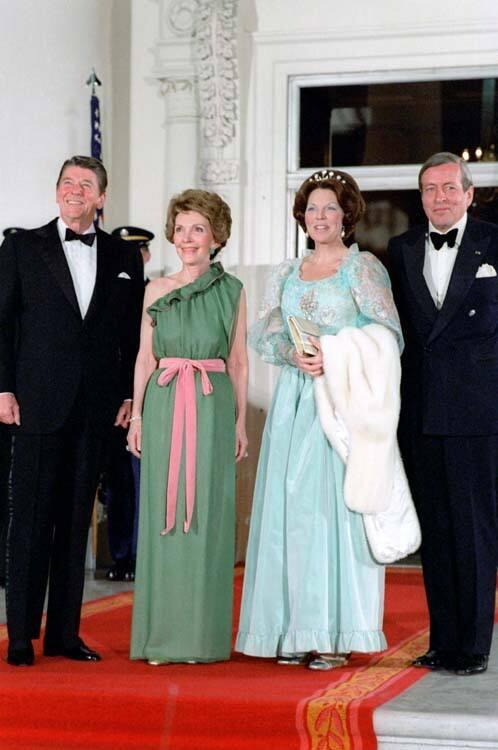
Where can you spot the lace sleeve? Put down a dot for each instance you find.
(371, 289)
(268, 335)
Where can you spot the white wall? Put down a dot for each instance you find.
(381, 37)
(278, 39)
(117, 98)
(147, 199)
(294, 15)
(47, 52)
(49, 47)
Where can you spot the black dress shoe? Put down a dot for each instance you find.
(433, 659)
(129, 575)
(122, 570)
(80, 652)
(22, 656)
(471, 664)
(116, 572)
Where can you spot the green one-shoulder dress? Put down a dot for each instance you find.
(184, 581)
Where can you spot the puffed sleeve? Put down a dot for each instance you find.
(371, 289)
(268, 335)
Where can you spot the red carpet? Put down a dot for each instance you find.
(244, 704)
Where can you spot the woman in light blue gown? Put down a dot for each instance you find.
(312, 590)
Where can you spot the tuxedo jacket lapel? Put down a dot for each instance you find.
(102, 277)
(469, 257)
(413, 256)
(52, 252)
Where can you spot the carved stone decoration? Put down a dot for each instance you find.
(175, 85)
(216, 66)
(181, 95)
(219, 172)
(181, 16)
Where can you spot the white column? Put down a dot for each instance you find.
(181, 126)
(174, 74)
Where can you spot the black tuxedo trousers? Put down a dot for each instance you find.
(4, 478)
(453, 482)
(53, 488)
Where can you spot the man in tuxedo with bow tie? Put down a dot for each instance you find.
(445, 286)
(69, 327)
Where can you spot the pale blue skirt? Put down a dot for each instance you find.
(310, 582)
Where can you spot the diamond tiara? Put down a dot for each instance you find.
(326, 174)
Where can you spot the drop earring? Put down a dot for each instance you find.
(343, 233)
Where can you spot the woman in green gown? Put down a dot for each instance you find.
(188, 428)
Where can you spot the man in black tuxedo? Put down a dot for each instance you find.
(5, 441)
(445, 285)
(121, 479)
(69, 328)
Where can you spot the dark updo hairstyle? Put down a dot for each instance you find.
(209, 205)
(347, 192)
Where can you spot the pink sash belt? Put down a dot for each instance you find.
(184, 414)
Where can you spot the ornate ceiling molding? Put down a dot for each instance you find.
(181, 16)
(175, 85)
(216, 65)
(219, 171)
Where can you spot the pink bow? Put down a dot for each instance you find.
(185, 413)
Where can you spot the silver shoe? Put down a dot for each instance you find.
(156, 662)
(293, 659)
(324, 662)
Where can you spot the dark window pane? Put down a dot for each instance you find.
(485, 204)
(389, 213)
(397, 123)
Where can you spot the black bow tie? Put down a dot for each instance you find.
(438, 240)
(86, 238)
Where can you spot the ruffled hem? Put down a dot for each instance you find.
(215, 272)
(325, 642)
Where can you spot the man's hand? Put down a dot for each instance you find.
(9, 409)
(123, 415)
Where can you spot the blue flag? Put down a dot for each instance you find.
(96, 143)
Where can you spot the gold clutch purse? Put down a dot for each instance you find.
(300, 331)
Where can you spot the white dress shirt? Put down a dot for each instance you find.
(82, 262)
(438, 264)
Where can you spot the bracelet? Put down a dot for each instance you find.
(132, 419)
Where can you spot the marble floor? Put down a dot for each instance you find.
(443, 711)
(440, 711)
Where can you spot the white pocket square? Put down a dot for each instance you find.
(485, 271)
(123, 275)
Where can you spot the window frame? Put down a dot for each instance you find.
(369, 178)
